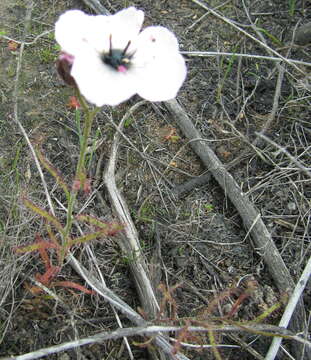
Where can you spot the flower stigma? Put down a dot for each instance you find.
(116, 58)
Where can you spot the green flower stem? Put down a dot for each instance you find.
(80, 176)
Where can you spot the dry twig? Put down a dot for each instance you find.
(229, 22)
(130, 243)
(249, 56)
(288, 313)
(151, 330)
(304, 169)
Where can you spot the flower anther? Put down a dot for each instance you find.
(113, 59)
(117, 59)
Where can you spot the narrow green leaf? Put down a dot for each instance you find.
(53, 171)
(48, 217)
(92, 221)
(292, 7)
(266, 313)
(85, 238)
(110, 227)
(70, 284)
(227, 72)
(271, 37)
(214, 345)
(78, 123)
(34, 247)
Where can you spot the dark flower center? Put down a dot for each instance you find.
(117, 59)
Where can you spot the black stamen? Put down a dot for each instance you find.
(116, 58)
(110, 45)
(126, 47)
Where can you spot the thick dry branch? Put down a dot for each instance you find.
(249, 56)
(299, 288)
(153, 330)
(129, 241)
(250, 216)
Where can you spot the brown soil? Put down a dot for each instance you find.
(200, 237)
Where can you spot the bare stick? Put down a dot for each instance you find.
(250, 216)
(129, 241)
(152, 330)
(249, 56)
(129, 244)
(288, 313)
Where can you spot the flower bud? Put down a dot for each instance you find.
(63, 67)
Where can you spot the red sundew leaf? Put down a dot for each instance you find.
(34, 290)
(53, 171)
(108, 228)
(85, 238)
(79, 181)
(47, 216)
(169, 134)
(34, 247)
(73, 285)
(213, 305)
(55, 242)
(52, 237)
(12, 45)
(87, 186)
(111, 230)
(73, 103)
(76, 185)
(43, 253)
(48, 276)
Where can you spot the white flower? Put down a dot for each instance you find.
(113, 60)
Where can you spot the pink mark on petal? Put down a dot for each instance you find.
(122, 69)
(66, 57)
(63, 66)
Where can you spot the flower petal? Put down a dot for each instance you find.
(159, 68)
(157, 38)
(125, 25)
(75, 30)
(101, 84)
(71, 29)
(152, 65)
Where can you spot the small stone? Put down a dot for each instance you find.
(63, 356)
(181, 261)
(303, 34)
(231, 269)
(291, 206)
